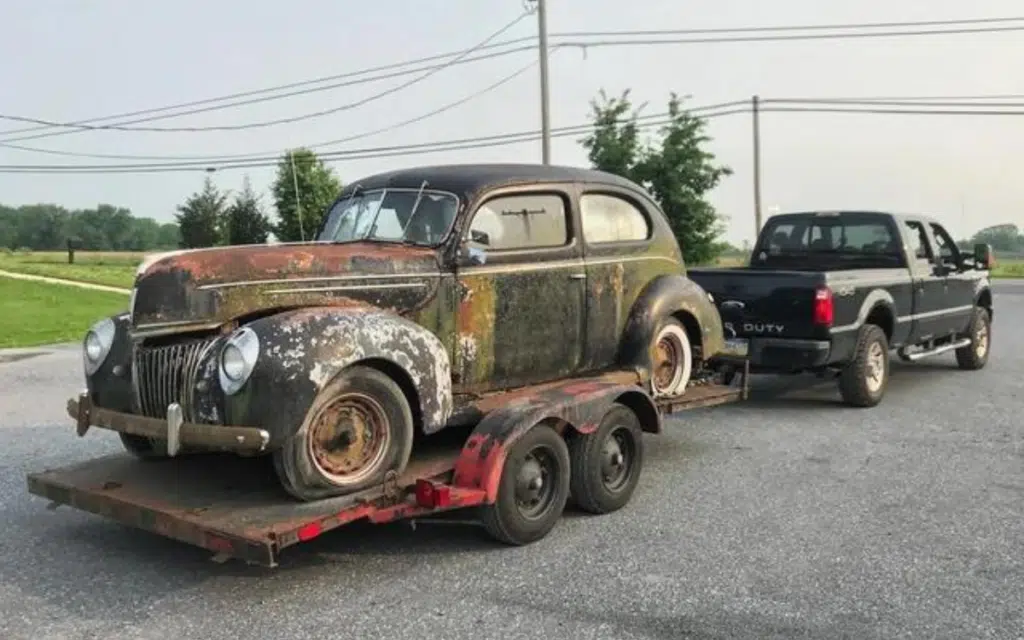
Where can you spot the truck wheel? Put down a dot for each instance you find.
(671, 359)
(358, 429)
(143, 448)
(606, 464)
(533, 488)
(975, 355)
(863, 381)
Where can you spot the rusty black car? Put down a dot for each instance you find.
(425, 290)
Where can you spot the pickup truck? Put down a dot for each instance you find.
(835, 292)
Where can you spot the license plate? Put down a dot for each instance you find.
(737, 346)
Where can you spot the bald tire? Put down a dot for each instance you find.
(297, 471)
(589, 490)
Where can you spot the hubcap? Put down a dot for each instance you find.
(875, 367)
(535, 483)
(981, 339)
(349, 438)
(617, 455)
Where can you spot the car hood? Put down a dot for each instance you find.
(184, 290)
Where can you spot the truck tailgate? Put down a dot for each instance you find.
(763, 303)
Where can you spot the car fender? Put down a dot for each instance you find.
(302, 351)
(577, 405)
(666, 295)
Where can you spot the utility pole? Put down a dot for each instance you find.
(298, 203)
(755, 103)
(545, 109)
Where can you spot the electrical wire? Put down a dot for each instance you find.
(583, 44)
(270, 123)
(477, 142)
(642, 123)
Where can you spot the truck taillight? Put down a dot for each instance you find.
(823, 311)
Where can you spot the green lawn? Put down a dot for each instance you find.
(37, 313)
(108, 268)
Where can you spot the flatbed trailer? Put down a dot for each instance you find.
(234, 507)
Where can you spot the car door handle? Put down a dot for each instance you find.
(577, 276)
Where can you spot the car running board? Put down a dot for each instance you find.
(963, 342)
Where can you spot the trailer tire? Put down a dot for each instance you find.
(540, 452)
(616, 448)
(863, 381)
(143, 448)
(361, 406)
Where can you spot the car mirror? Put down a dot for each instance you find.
(479, 237)
(983, 258)
(471, 255)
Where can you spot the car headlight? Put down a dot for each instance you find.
(97, 343)
(237, 360)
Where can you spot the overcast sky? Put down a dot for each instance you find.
(73, 59)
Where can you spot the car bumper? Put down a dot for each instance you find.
(779, 354)
(173, 430)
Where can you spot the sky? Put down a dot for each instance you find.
(69, 60)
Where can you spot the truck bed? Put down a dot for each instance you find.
(235, 507)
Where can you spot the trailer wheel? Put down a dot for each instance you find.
(142, 447)
(863, 381)
(533, 489)
(672, 359)
(358, 429)
(606, 464)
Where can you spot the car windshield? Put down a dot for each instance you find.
(391, 215)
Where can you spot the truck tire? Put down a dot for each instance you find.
(606, 464)
(143, 448)
(863, 381)
(975, 355)
(672, 359)
(358, 429)
(533, 488)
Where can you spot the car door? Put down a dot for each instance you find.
(521, 288)
(929, 285)
(959, 281)
(621, 259)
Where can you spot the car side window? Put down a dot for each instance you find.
(527, 221)
(607, 218)
(918, 240)
(947, 248)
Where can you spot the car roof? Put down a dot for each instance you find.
(825, 212)
(469, 180)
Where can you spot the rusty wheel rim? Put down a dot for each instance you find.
(349, 438)
(668, 358)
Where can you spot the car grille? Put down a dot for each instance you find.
(167, 374)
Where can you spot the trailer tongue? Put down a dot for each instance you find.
(235, 508)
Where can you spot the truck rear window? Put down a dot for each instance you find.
(843, 238)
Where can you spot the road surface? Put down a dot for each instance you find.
(787, 517)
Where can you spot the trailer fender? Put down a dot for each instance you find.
(578, 406)
(302, 351)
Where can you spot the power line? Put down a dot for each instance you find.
(643, 123)
(709, 111)
(582, 44)
(221, 157)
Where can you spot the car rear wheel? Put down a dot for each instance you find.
(671, 359)
(358, 430)
(975, 355)
(863, 381)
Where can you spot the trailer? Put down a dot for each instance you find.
(515, 468)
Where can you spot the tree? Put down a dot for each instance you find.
(317, 187)
(246, 223)
(676, 169)
(201, 218)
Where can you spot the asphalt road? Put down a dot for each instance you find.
(786, 517)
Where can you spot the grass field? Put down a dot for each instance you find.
(36, 313)
(111, 269)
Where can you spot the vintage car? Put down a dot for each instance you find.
(425, 290)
